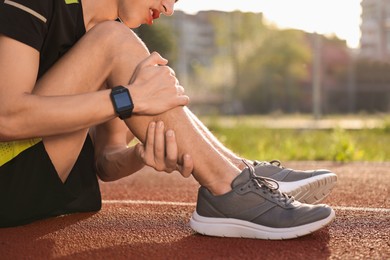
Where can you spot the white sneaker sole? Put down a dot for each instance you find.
(311, 190)
(228, 227)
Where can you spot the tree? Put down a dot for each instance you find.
(271, 77)
(158, 37)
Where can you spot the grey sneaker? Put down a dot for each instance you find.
(255, 208)
(311, 186)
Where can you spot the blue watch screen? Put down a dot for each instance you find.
(122, 100)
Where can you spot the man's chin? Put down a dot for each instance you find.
(133, 25)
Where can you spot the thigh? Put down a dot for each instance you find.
(106, 55)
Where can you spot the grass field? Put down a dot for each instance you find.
(254, 141)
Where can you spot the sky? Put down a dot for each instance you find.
(329, 17)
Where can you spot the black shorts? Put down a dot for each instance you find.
(30, 188)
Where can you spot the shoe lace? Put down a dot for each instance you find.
(276, 163)
(270, 185)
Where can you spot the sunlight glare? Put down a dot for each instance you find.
(330, 17)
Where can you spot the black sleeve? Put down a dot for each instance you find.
(25, 20)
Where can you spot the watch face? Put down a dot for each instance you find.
(122, 100)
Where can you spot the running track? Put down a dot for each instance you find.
(146, 216)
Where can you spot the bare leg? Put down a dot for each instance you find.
(211, 168)
(108, 49)
(234, 158)
(230, 155)
(107, 56)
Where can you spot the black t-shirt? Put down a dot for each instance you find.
(50, 26)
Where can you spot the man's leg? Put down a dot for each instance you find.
(38, 192)
(247, 199)
(211, 168)
(234, 158)
(107, 56)
(309, 186)
(108, 50)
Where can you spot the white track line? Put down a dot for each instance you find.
(173, 203)
(149, 202)
(380, 210)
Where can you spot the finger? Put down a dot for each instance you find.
(187, 167)
(172, 72)
(180, 90)
(149, 143)
(182, 100)
(166, 71)
(140, 149)
(171, 150)
(153, 60)
(159, 145)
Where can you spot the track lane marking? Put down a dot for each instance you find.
(173, 203)
(381, 210)
(149, 202)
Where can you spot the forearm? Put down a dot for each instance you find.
(37, 116)
(116, 163)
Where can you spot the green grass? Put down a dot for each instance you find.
(256, 142)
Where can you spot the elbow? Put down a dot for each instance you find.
(16, 121)
(104, 177)
(7, 130)
(103, 173)
(12, 126)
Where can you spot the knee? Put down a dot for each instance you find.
(118, 39)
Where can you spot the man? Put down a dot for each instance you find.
(74, 82)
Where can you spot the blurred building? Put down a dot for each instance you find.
(375, 29)
(372, 66)
(351, 80)
(195, 41)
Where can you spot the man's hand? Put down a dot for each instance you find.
(155, 88)
(160, 151)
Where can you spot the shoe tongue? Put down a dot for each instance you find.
(243, 178)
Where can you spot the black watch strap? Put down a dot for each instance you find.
(122, 102)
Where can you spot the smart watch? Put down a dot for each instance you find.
(122, 102)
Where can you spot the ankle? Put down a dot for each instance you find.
(239, 163)
(216, 175)
(219, 189)
(223, 185)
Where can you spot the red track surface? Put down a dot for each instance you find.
(130, 227)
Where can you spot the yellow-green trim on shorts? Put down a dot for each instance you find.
(68, 2)
(9, 150)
